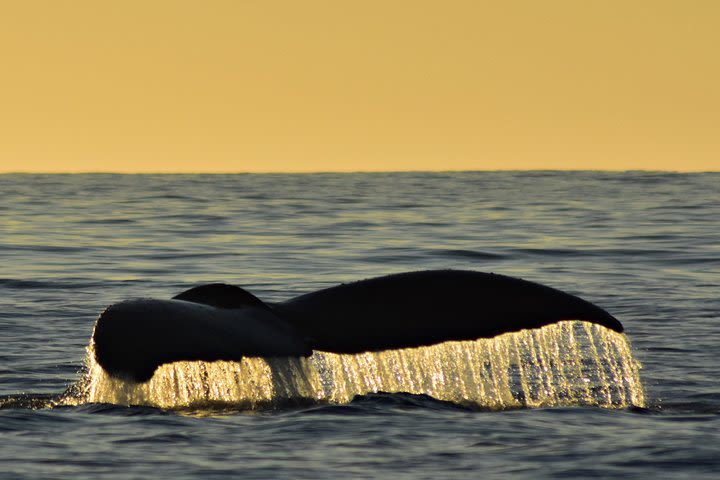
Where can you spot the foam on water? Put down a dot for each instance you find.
(568, 363)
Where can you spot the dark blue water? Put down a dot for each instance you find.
(644, 246)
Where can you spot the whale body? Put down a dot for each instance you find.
(212, 322)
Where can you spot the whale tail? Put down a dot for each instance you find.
(222, 322)
(211, 322)
(428, 307)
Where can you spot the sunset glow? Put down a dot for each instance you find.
(278, 85)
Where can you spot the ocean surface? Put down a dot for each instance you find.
(644, 246)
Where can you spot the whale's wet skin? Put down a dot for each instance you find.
(131, 339)
(469, 337)
(559, 400)
(477, 339)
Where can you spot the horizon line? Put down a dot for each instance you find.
(313, 172)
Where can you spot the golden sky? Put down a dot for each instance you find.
(306, 85)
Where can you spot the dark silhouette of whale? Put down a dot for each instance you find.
(224, 322)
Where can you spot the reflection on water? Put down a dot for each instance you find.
(642, 245)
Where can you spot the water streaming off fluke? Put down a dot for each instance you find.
(568, 363)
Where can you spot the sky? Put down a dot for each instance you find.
(308, 85)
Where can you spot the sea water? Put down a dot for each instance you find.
(564, 364)
(569, 400)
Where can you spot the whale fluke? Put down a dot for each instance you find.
(423, 308)
(220, 295)
(223, 322)
(132, 338)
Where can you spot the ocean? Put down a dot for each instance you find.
(644, 246)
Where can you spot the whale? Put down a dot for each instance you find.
(132, 338)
